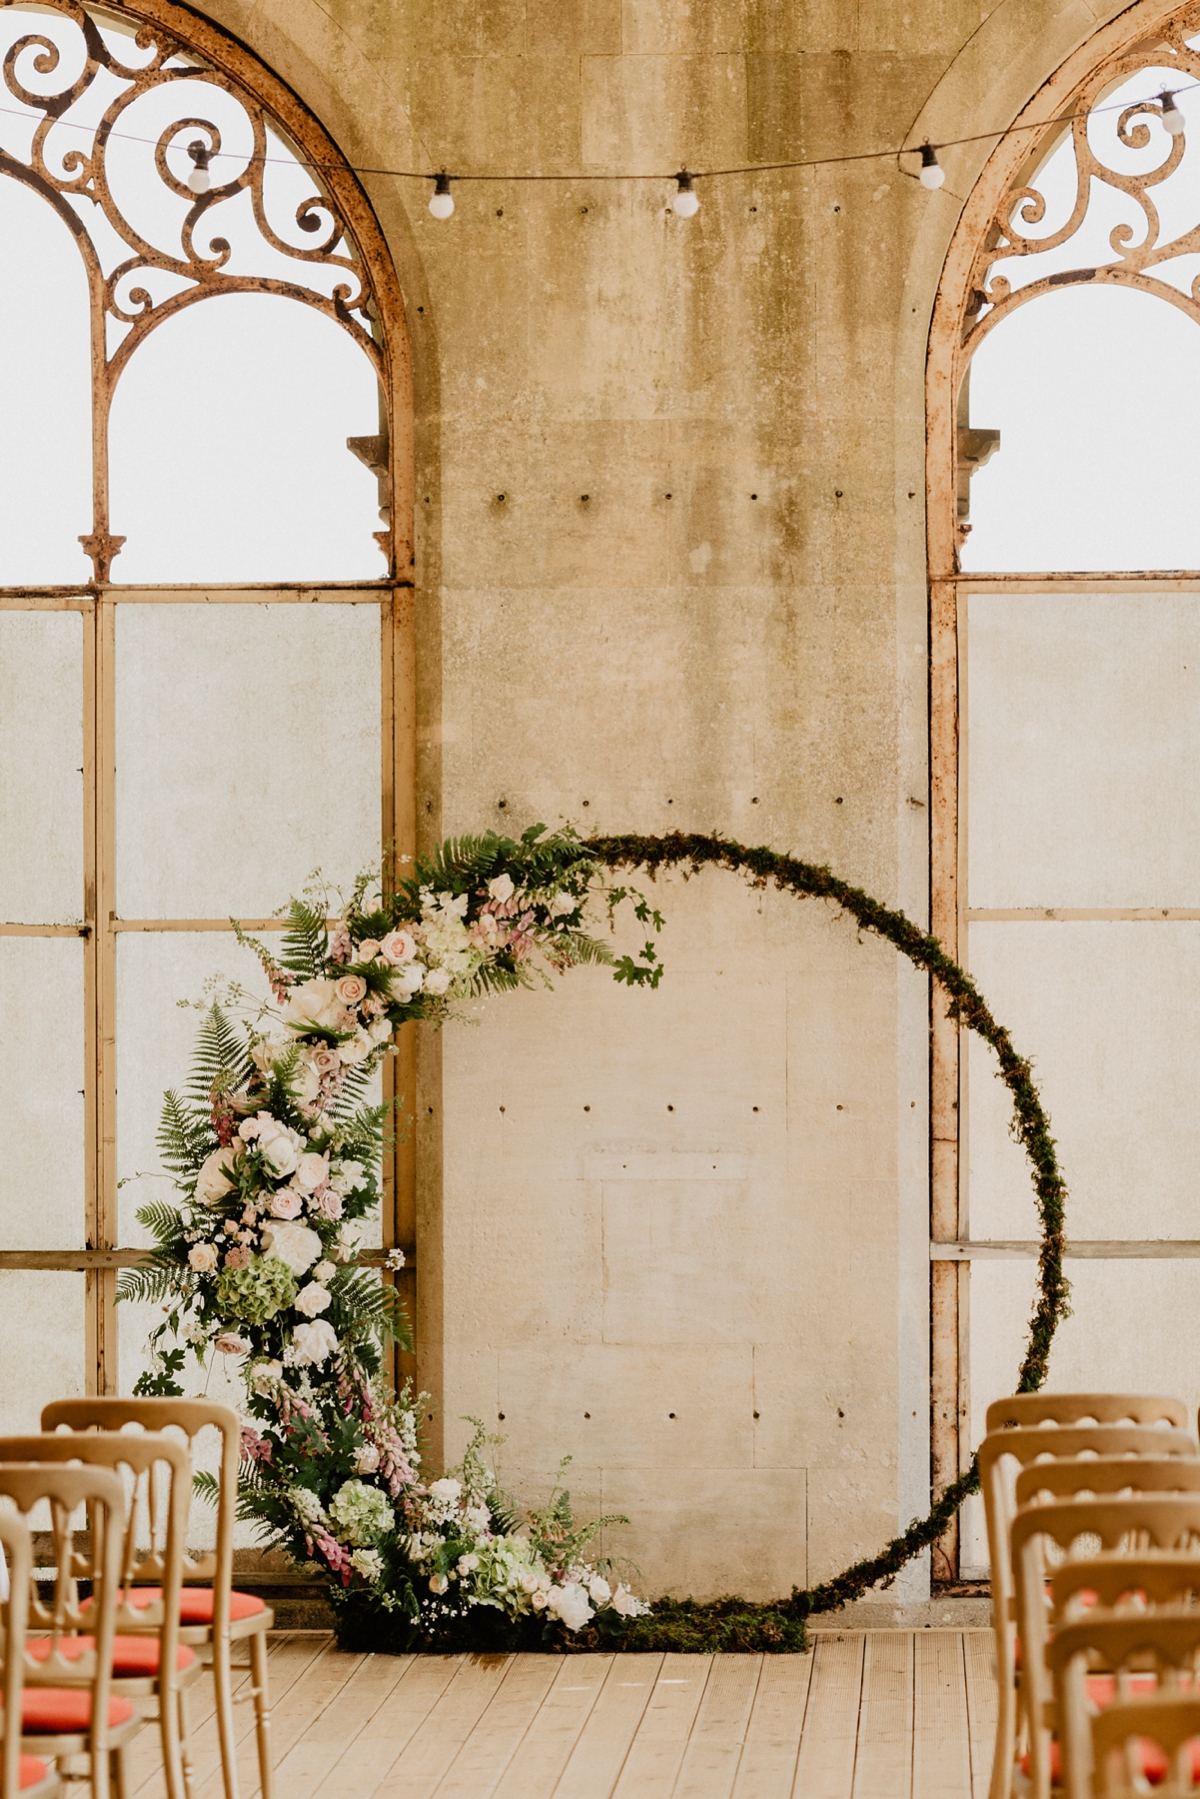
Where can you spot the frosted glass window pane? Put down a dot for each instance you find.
(248, 754)
(1109, 1013)
(228, 448)
(41, 1105)
(1084, 750)
(45, 395)
(41, 767)
(1129, 1333)
(43, 1347)
(155, 1040)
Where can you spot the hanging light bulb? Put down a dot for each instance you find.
(686, 200)
(1172, 118)
(932, 173)
(199, 179)
(441, 202)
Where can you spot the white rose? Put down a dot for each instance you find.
(322, 1271)
(294, 1244)
(446, 1488)
(311, 1170)
(502, 887)
(312, 1299)
(380, 1031)
(266, 1051)
(438, 1583)
(305, 1082)
(437, 981)
(599, 1590)
(280, 1146)
(357, 1050)
(406, 981)
(367, 1459)
(314, 1342)
(570, 1602)
(624, 1603)
(397, 947)
(203, 1257)
(213, 1182)
(561, 904)
(314, 1005)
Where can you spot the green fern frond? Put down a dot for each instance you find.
(162, 1219)
(153, 1280)
(305, 942)
(220, 1060)
(184, 1137)
(206, 1487)
(364, 1305)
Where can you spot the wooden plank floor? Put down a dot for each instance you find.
(866, 1715)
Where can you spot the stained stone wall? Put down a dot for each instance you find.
(670, 556)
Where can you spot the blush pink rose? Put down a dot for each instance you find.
(287, 1203)
(326, 1061)
(351, 988)
(327, 1202)
(398, 947)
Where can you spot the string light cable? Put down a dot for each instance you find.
(685, 201)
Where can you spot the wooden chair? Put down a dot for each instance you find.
(67, 1707)
(148, 1658)
(1157, 1647)
(26, 1776)
(1016, 1448)
(1051, 1409)
(1156, 1739)
(211, 1613)
(1133, 1524)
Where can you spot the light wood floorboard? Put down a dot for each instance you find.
(864, 1715)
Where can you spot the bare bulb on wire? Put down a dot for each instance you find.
(199, 180)
(441, 202)
(685, 200)
(932, 174)
(1172, 118)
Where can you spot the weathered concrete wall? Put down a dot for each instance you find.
(670, 508)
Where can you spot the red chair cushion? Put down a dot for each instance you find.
(64, 1711)
(1101, 1691)
(195, 1603)
(31, 1771)
(133, 1657)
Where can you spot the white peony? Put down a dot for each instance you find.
(502, 887)
(446, 1489)
(314, 1005)
(561, 904)
(437, 981)
(314, 1342)
(311, 1170)
(312, 1299)
(294, 1244)
(570, 1603)
(213, 1182)
(599, 1590)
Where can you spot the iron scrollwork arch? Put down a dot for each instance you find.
(175, 53)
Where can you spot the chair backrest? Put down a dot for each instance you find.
(1133, 1524)
(66, 1489)
(17, 1546)
(1104, 1474)
(1163, 1577)
(158, 1471)
(191, 1416)
(1162, 1644)
(1050, 1409)
(1169, 1721)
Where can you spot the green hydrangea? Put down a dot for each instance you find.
(362, 1512)
(256, 1292)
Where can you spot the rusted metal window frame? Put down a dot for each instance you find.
(963, 314)
(239, 72)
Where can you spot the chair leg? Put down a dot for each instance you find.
(185, 1745)
(262, 1711)
(168, 1715)
(223, 1694)
(1006, 1744)
(99, 1764)
(119, 1768)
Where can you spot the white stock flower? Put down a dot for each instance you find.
(312, 1299)
(311, 1170)
(437, 981)
(314, 1342)
(561, 904)
(368, 1563)
(306, 1505)
(203, 1257)
(570, 1603)
(314, 1005)
(502, 887)
(294, 1244)
(599, 1590)
(213, 1182)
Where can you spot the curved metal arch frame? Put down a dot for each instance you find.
(371, 289)
(1140, 36)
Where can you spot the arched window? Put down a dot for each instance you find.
(1064, 532)
(205, 613)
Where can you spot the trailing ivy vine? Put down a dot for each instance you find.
(762, 867)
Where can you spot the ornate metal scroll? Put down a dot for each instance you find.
(74, 178)
(1168, 63)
